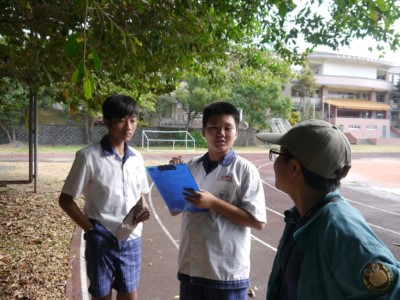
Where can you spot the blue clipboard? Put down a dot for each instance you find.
(170, 181)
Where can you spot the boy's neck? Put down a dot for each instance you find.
(216, 156)
(119, 147)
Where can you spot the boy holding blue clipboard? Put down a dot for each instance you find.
(214, 253)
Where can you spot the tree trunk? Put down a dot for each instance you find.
(2, 126)
(89, 123)
(14, 136)
(248, 135)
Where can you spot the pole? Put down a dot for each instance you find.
(313, 107)
(329, 110)
(35, 142)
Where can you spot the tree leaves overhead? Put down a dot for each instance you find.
(154, 41)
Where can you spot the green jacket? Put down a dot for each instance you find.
(342, 257)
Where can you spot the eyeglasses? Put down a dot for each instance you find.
(274, 154)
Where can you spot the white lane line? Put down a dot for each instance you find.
(263, 243)
(169, 234)
(359, 203)
(382, 228)
(254, 237)
(82, 271)
(373, 207)
(353, 201)
(275, 212)
(174, 242)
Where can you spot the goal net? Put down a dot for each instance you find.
(156, 140)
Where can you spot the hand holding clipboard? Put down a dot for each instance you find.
(170, 181)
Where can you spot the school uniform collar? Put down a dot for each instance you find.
(108, 149)
(228, 159)
(209, 165)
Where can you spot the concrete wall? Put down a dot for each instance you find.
(364, 128)
(348, 69)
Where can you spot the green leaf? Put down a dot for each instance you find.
(91, 79)
(373, 14)
(72, 45)
(96, 60)
(77, 76)
(87, 88)
(382, 5)
(282, 10)
(133, 48)
(137, 41)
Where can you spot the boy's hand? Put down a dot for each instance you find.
(200, 199)
(176, 160)
(142, 215)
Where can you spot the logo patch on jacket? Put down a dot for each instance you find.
(377, 277)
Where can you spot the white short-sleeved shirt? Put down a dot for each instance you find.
(111, 187)
(212, 246)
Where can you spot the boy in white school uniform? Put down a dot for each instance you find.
(111, 176)
(214, 253)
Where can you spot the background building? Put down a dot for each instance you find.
(358, 95)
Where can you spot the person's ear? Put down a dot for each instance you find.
(203, 132)
(295, 166)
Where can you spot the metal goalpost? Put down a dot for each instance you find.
(167, 140)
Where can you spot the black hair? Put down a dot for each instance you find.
(119, 106)
(220, 109)
(320, 183)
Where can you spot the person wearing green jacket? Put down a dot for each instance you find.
(327, 250)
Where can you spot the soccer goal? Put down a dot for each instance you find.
(158, 140)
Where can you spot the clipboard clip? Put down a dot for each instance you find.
(166, 168)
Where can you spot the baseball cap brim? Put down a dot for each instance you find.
(268, 137)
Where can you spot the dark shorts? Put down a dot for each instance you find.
(109, 266)
(192, 288)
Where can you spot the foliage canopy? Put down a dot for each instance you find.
(154, 41)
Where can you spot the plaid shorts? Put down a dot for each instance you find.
(109, 266)
(194, 288)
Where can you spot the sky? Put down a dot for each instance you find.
(360, 48)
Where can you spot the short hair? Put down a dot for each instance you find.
(320, 183)
(219, 109)
(119, 106)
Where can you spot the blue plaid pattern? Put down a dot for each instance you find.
(194, 288)
(108, 265)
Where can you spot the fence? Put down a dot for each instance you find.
(76, 135)
(15, 166)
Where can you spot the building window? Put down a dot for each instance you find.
(354, 127)
(347, 95)
(371, 127)
(380, 97)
